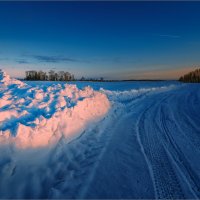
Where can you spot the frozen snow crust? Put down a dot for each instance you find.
(32, 116)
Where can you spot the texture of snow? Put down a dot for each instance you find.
(36, 117)
(6, 80)
(117, 140)
(128, 95)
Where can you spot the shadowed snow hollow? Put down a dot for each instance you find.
(38, 116)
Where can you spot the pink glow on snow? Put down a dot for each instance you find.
(70, 111)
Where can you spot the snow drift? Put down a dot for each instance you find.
(6, 80)
(44, 154)
(128, 95)
(40, 116)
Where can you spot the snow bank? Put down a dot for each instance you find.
(128, 95)
(6, 80)
(41, 116)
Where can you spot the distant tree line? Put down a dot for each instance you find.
(191, 77)
(101, 79)
(50, 76)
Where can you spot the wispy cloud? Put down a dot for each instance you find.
(61, 59)
(54, 59)
(37, 58)
(16, 60)
(22, 61)
(169, 36)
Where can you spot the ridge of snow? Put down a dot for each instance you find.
(126, 95)
(39, 116)
(6, 80)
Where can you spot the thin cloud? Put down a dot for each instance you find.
(61, 59)
(54, 59)
(170, 36)
(22, 61)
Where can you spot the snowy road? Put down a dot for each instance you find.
(165, 129)
(146, 146)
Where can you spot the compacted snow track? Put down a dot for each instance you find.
(172, 172)
(146, 145)
(165, 180)
(156, 120)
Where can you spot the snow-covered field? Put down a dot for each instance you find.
(99, 140)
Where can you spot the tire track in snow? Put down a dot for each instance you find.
(76, 178)
(187, 116)
(166, 183)
(194, 106)
(177, 156)
(70, 168)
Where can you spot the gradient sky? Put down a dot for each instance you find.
(116, 40)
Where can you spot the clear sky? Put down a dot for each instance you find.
(115, 40)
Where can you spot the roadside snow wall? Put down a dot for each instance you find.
(40, 116)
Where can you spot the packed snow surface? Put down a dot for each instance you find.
(115, 140)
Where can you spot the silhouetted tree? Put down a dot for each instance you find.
(82, 78)
(52, 76)
(192, 77)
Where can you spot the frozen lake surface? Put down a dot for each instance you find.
(109, 140)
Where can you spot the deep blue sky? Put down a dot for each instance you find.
(110, 39)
